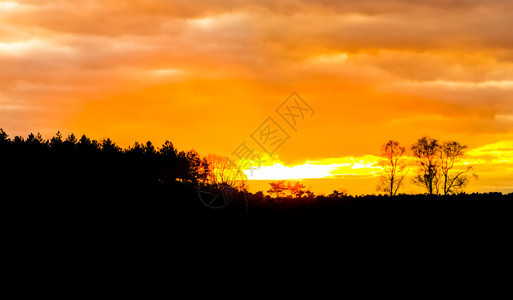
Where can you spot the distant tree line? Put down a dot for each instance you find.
(62, 162)
(436, 166)
(288, 189)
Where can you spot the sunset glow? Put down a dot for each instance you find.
(207, 74)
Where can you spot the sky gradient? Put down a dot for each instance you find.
(206, 74)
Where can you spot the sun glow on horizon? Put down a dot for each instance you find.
(328, 168)
(278, 171)
(494, 157)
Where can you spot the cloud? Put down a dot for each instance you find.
(205, 74)
(370, 68)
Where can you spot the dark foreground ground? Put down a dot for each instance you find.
(159, 232)
(159, 205)
(79, 215)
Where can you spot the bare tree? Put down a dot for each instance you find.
(426, 152)
(454, 179)
(394, 167)
(222, 181)
(223, 171)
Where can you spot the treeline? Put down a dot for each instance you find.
(97, 183)
(86, 165)
(288, 189)
(339, 201)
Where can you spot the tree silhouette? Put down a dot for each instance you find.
(167, 160)
(4, 137)
(338, 194)
(149, 150)
(197, 168)
(296, 189)
(221, 180)
(394, 168)
(278, 188)
(86, 145)
(35, 139)
(426, 152)
(71, 139)
(56, 141)
(223, 171)
(137, 150)
(18, 140)
(107, 145)
(168, 150)
(454, 180)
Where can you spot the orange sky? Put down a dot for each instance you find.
(206, 74)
